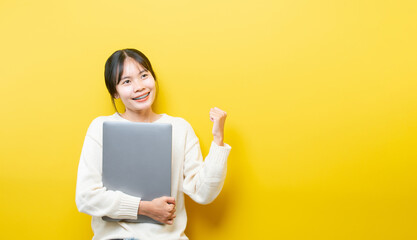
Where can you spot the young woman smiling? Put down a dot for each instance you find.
(129, 76)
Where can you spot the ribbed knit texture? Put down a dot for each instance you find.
(201, 180)
(128, 208)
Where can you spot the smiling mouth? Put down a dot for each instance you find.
(142, 97)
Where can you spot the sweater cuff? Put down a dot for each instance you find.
(218, 153)
(129, 206)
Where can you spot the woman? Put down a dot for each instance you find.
(129, 76)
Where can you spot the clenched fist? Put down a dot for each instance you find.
(161, 209)
(218, 117)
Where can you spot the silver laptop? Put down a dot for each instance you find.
(137, 161)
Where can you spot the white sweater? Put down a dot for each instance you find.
(202, 181)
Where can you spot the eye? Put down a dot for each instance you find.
(145, 75)
(126, 81)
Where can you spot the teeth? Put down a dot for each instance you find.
(141, 97)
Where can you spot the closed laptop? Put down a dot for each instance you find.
(137, 161)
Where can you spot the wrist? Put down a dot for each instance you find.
(218, 141)
(144, 207)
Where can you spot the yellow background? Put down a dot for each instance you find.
(320, 95)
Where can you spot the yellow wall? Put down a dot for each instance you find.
(321, 101)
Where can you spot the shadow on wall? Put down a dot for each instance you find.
(213, 215)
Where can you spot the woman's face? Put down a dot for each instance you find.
(136, 88)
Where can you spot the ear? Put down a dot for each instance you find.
(116, 96)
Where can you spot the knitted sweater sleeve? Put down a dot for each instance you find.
(91, 196)
(203, 181)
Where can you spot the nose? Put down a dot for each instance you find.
(137, 85)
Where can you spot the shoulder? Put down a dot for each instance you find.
(178, 122)
(182, 130)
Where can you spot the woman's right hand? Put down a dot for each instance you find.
(160, 209)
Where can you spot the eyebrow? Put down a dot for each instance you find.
(144, 70)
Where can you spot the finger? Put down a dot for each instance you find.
(170, 200)
(212, 117)
(172, 209)
(216, 115)
(216, 109)
(219, 113)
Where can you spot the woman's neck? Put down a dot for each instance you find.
(143, 116)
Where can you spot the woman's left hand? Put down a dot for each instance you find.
(218, 117)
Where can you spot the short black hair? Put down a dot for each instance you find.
(113, 69)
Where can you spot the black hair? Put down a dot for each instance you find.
(113, 69)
